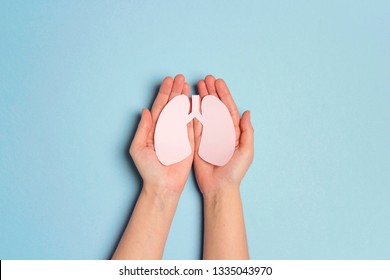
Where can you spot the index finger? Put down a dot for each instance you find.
(159, 103)
(161, 98)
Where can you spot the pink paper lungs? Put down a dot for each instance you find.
(218, 135)
(170, 137)
(218, 138)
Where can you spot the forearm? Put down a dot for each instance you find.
(224, 230)
(148, 228)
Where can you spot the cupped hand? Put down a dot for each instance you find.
(213, 179)
(155, 175)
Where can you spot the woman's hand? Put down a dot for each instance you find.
(158, 177)
(224, 226)
(213, 179)
(146, 233)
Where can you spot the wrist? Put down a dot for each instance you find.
(160, 192)
(164, 185)
(222, 192)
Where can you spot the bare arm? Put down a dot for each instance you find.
(147, 231)
(224, 227)
(148, 228)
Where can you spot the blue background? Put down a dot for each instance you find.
(74, 76)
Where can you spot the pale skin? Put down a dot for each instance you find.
(224, 231)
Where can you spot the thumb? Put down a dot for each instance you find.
(141, 135)
(247, 135)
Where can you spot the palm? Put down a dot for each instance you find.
(142, 149)
(173, 176)
(208, 176)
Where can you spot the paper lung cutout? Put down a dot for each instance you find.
(218, 135)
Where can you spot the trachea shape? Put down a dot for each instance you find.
(218, 135)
